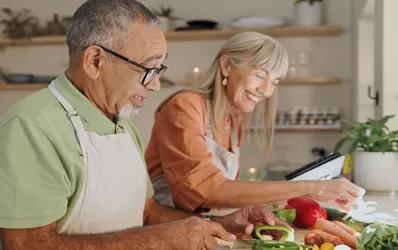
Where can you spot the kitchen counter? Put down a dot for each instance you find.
(385, 209)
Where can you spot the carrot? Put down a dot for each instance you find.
(325, 236)
(333, 229)
(347, 229)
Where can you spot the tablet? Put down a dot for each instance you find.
(324, 168)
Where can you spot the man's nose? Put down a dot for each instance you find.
(154, 85)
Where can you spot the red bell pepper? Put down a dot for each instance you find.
(308, 211)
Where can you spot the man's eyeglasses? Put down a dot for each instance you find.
(150, 73)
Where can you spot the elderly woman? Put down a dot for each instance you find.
(193, 154)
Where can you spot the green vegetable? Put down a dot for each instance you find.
(256, 234)
(287, 215)
(378, 237)
(286, 245)
(335, 214)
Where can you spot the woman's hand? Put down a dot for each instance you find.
(340, 192)
(242, 222)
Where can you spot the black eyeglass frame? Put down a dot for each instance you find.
(150, 73)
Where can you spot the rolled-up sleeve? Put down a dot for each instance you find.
(185, 158)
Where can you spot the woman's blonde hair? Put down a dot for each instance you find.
(255, 50)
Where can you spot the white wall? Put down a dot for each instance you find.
(363, 44)
(330, 57)
(386, 54)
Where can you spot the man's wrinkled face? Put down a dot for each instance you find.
(124, 92)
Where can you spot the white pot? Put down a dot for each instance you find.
(376, 171)
(309, 14)
(165, 23)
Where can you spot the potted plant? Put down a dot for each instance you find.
(309, 12)
(375, 154)
(18, 24)
(165, 15)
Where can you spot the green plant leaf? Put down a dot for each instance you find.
(372, 135)
(353, 147)
(340, 143)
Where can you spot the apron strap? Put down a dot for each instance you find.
(209, 129)
(73, 116)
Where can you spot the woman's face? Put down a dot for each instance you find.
(248, 86)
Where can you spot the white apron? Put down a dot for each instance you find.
(114, 192)
(225, 160)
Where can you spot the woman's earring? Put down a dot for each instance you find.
(224, 81)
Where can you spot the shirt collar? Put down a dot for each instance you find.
(96, 120)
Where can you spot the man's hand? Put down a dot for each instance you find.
(193, 233)
(242, 222)
(190, 233)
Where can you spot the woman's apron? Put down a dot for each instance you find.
(114, 193)
(223, 159)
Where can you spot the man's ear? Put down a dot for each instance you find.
(93, 59)
(225, 65)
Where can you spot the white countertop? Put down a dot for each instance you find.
(385, 204)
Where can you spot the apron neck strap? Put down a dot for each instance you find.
(73, 116)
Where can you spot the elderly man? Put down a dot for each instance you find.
(72, 174)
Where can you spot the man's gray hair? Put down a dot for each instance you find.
(106, 22)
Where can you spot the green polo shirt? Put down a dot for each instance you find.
(41, 162)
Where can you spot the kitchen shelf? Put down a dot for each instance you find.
(295, 81)
(27, 86)
(305, 128)
(334, 130)
(199, 35)
(287, 31)
(286, 81)
(311, 80)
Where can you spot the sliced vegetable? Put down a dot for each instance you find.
(337, 215)
(327, 246)
(308, 211)
(313, 238)
(285, 245)
(331, 228)
(287, 215)
(273, 244)
(378, 236)
(256, 234)
(327, 237)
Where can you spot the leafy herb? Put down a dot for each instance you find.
(378, 237)
(370, 136)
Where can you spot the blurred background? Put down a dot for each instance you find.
(342, 54)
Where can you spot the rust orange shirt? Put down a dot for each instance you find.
(178, 150)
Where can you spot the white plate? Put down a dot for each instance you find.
(257, 22)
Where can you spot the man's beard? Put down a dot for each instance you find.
(129, 111)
